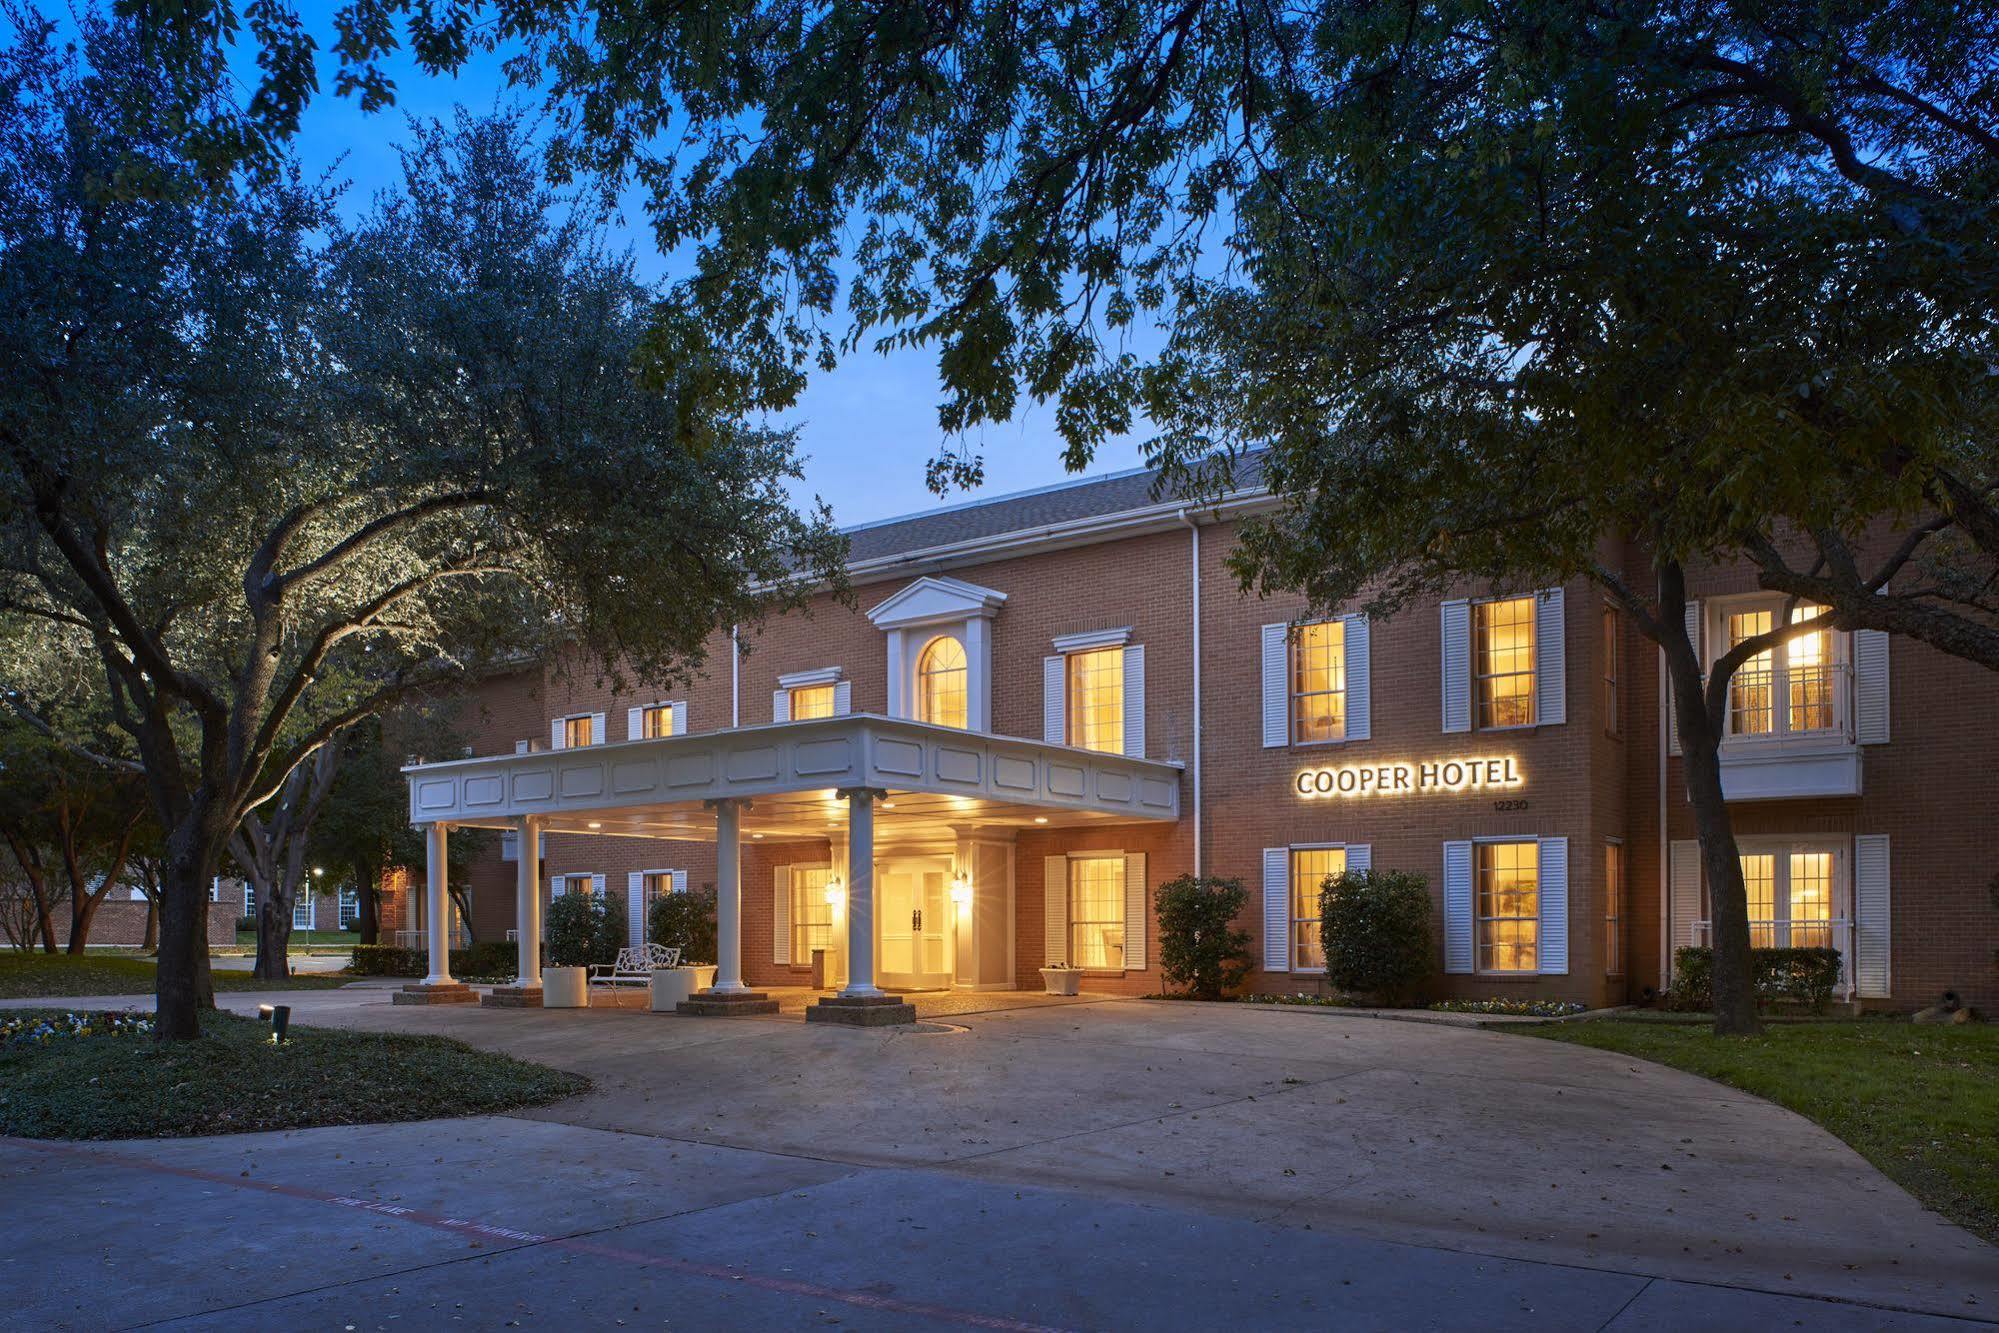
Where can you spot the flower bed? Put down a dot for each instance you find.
(1311, 1001)
(41, 1029)
(1511, 1008)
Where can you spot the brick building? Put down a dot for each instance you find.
(1038, 708)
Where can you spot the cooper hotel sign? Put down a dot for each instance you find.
(1410, 779)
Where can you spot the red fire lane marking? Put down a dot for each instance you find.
(472, 1227)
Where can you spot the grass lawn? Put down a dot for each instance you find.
(32, 975)
(302, 940)
(1920, 1103)
(233, 1080)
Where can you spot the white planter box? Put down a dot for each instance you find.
(1062, 980)
(565, 988)
(671, 985)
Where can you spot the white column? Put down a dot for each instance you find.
(527, 900)
(860, 893)
(436, 912)
(728, 898)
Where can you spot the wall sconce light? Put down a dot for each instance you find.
(961, 890)
(836, 892)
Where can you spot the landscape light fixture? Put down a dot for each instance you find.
(279, 1016)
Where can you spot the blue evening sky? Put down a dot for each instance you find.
(866, 429)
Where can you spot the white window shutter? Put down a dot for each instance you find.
(843, 697)
(1276, 686)
(1054, 680)
(1134, 700)
(1551, 659)
(555, 736)
(1134, 911)
(1870, 687)
(1277, 909)
(1683, 908)
(510, 846)
(597, 887)
(680, 718)
(597, 735)
(1673, 713)
(635, 724)
(1870, 915)
(1457, 907)
(1360, 677)
(1552, 950)
(1055, 910)
(1457, 665)
(780, 705)
(635, 907)
(558, 885)
(523, 747)
(680, 881)
(1360, 856)
(780, 916)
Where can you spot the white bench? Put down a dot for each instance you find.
(634, 966)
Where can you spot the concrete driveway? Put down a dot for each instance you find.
(1106, 1164)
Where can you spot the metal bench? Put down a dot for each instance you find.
(634, 966)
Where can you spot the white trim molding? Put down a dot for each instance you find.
(1091, 640)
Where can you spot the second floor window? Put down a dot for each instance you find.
(655, 722)
(940, 682)
(576, 732)
(1784, 689)
(1503, 662)
(1319, 682)
(1096, 700)
(810, 701)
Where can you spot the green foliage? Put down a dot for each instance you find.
(1375, 926)
(1200, 948)
(27, 976)
(491, 958)
(684, 921)
(1518, 1008)
(1807, 977)
(580, 929)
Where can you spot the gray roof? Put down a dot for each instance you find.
(1023, 511)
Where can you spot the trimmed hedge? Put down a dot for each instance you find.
(1375, 928)
(1199, 947)
(582, 929)
(1801, 976)
(685, 921)
(493, 958)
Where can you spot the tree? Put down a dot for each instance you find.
(270, 846)
(266, 473)
(70, 823)
(363, 832)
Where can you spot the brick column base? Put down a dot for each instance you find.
(708, 1004)
(456, 992)
(512, 997)
(861, 1011)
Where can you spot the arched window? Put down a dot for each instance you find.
(940, 682)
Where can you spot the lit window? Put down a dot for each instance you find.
(1319, 682)
(350, 909)
(1613, 668)
(1759, 883)
(1785, 689)
(655, 722)
(1096, 912)
(809, 701)
(1096, 700)
(577, 732)
(1503, 662)
(1613, 909)
(1811, 900)
(1793, 902)
(1509, 906)
(1311, 867)
(811, 914)
(940, 682)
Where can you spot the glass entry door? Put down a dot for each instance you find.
(912, 923)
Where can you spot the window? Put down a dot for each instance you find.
(1310, 868)
(1759, 882)
(302, 908)
(940, 682)
(1811, 900)
(1319, 682)
(577, 732)
(809, 701)
(249, 898)
(350, 909)
(1792, 903)
(1096, 699)
(1613, 909)
(1509, 905)
(1503, 662)
(1783, 689)
(811, 914)
(1096, 912)
(655, 722)
(1613, 668)
(571, 884)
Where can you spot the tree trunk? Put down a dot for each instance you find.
(151, 944)
(274, 935)
(184, 987)
(367, 883)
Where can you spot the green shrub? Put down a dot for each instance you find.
(1807, 977)
(488, 958)
(494, 958)
(1375, 925)
(685, 921)
(1199, 947)
(583, 930)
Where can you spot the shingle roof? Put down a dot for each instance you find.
(1024, 511)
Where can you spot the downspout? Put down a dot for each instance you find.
(1194, 528)
(735, 682)
(1665, 867)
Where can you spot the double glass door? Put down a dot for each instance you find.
(913, 917)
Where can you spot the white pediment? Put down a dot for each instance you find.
(934, 599)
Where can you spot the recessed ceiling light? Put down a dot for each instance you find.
(1041, 819)
(595, 824)
(756, 835)
(888, 805)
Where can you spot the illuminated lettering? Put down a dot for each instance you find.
(1479, 773)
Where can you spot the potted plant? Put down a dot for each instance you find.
(683, 921)
(1062, 979)
(578, 927)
